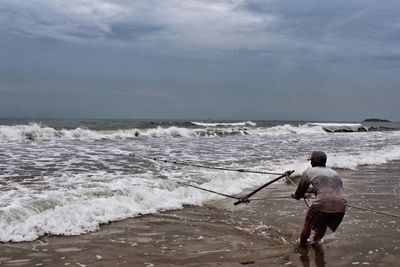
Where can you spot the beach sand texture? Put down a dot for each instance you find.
(262, 233)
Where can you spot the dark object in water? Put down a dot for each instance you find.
(344, 129)
(247, 262)
(376, 120)
(29, 136)
(382, 128)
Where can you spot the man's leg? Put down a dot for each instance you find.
(320, 232)
(305, 233)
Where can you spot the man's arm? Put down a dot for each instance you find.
(302, 187)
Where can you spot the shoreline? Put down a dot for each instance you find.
(263, 233)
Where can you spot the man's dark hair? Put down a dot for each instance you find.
(318, 158)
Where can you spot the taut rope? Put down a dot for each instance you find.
(245, 199)
(372, 210)
(362, 208)
(205, 166)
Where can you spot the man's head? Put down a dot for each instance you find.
(318, 158)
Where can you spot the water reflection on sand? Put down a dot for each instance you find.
(310, 252)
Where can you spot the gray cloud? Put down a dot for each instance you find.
(193, 22)
(199, 58)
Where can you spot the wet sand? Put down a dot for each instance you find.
(262, 233)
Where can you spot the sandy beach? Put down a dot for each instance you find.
(262, 233)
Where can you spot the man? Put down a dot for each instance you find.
(329, 207)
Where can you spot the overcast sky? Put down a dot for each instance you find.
(217, 59)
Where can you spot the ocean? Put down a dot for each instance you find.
(68, 177)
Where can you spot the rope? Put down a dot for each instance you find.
(364, 209)
(245, 199)
(305, 201)
(264, 198)
(208, 190)
(372, 210)
(205, 166)
(290, 180)
(225, 195)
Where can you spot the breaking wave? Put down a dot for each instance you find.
(223, 124)
(36, 131)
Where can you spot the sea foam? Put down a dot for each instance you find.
(83, 209)
(78, 211)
